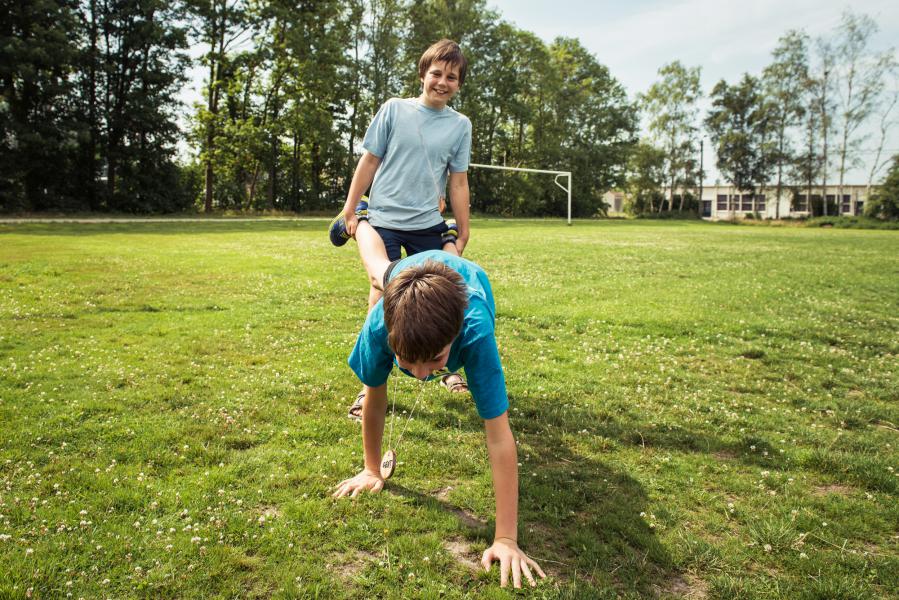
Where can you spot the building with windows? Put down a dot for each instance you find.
(726, 203)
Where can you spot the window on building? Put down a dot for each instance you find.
(846, 204)
(801, 203)
(722, 202)
(747, 203)
(760, 202)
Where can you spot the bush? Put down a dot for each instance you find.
(884, 204)
(851, 223)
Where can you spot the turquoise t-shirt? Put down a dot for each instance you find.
(474, 348)
(417, 145)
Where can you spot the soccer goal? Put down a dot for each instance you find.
(558, 174)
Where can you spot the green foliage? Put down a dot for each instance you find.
(671, 106)
(646, 179)
(884, 203)
(40, 125)
(739, 126)
(849, 222)
(89, 95)
(784, 82)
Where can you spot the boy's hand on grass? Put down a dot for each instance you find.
(366, 480)
(511, 560)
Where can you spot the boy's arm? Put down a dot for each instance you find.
(504, 466)
(459, 199)
(362, 178)
(373, 410)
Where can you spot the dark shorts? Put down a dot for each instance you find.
(412, 242)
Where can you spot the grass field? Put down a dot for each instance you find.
(704, 411)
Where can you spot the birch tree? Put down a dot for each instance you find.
(671, 106)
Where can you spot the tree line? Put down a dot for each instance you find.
(89, 106)
(88, 115)
(794, 129)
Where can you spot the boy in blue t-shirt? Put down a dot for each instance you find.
(410, 146)
(437, 313)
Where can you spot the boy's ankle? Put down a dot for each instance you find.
(451, 234)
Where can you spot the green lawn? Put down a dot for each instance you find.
(701, 410)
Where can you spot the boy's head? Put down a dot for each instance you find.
(445, 51)
(424, 306)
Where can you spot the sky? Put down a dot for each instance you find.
(726, 38)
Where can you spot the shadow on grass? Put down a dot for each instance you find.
(579, 517)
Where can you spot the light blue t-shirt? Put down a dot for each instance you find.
(474, 348)
(416, 145)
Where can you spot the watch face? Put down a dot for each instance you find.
(388, 463)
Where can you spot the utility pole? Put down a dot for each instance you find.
(701, 201)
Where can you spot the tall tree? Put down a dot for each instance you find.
(596, 124)
(886, 121)
(39, 122)
(671, 106)
(738, 124)
(220, 25)
(143, 59)
(784, 81)
(821, 94)
(859, 78)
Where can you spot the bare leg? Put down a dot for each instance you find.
(450, 248)
(373, 253)
(375, 261)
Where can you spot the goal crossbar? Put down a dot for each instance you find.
(566, 189)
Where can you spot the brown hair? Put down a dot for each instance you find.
(443, 51)
(424, 306)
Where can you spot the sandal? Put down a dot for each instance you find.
(454, 383)
(355, 411)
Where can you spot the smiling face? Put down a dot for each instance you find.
(439, 84)
(421, 370)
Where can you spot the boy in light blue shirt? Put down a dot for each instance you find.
(410, 147)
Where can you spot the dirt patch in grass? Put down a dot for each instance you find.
(684, 586)
(725, 455)
(349, 566)
(836, 488)
(462, 552)
(467, 518)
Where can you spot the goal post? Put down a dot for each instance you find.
(558, 174)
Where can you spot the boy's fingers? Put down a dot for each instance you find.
(534, 564)
(487, 560)
(527, 572)
(516, 573)
(504, 572)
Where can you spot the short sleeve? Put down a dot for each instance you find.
(460, 159)
(484, 373)
(378, 134)
(371, 359)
